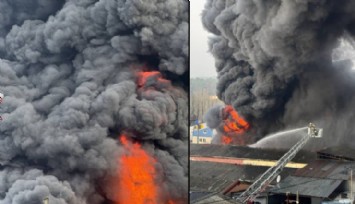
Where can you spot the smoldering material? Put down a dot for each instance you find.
(69, 70)
(275, 66)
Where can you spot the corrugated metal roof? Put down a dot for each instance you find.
(246, 152)
(339, 152)
(196, 196)
(216, 177)
(215, 199)
(325, 169)
(314, 187)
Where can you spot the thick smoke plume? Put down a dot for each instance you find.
(71, 72)
(275, 66)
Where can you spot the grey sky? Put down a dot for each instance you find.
(201, 61)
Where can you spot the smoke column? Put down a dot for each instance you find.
(76, 75)
(278, 67)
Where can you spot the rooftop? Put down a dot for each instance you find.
(325, 169)
(216, 177)
(246, 152)
(320, 178)
(213, 199)
(338, 153)
(305, 186)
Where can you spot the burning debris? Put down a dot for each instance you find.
(76, 74)
(275, 66)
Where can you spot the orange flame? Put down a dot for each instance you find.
(226, 139)
(136, 175)
(233, 124)
(136, 182)
(143, 77)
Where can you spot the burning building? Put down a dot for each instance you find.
(93, 86)
(279, 64)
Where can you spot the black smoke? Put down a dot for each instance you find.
(214, 120)
(69, 70)
(276, 63)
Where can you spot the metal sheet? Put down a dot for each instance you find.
(324, 169)
(216, 177)
(246, 152)
(314, 187)
(340, 153)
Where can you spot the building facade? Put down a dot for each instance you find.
(201, 134)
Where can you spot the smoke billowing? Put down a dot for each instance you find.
(70, 71)
(277, 67)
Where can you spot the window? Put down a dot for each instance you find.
(204, 140)
(200, 140)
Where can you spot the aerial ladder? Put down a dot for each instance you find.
(266, 178)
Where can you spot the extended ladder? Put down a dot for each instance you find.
(265, 179)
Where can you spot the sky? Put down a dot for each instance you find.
(201, 60)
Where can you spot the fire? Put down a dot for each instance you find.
(136, 182)
(144, 77)
(226, 139)
(136, 175)
(233, 122)
(233, 125)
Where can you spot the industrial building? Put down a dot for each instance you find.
(220, 172)
(201, 134)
